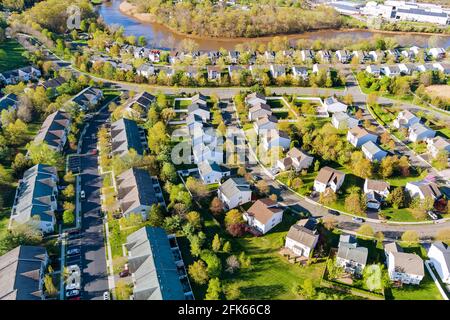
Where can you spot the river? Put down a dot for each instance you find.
(159, 36)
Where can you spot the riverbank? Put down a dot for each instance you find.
(131, 11)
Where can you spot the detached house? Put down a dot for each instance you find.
(391, 71)
(199, 99)
(302, 237)
(420, 132)
(442, 67)
(333, 105)
(406, 68)
(341, 120)
(277, 71)
(211, 172)
(325, 56)
(300, 72)
(275, 138)
(214, 72)
(54, 130)
(376, 192)
(439, 254)
(350, 256)
(36, 195)
(307, 55)
(137, 192)
(406, 268)
(264, 215)
(255, 98)
(405, 119)
(438, 144)
(358, 136)
(374, 70)
(235, 192)
(328, 178)
(343, 56)
(22, 273)
(373, 152)
(295, 159)
(267, 122)
(437, 53)
(146, 70)
(423, 189)
(259, 110)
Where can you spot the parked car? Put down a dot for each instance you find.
(73, 252)
(82, 194)
(94, 151)
(106, 295)
(359, 220)
(334, 212)
(432, 215)
(72, 293)
(125, 272)
(75, 298)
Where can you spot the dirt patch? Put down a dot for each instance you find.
(440, 90)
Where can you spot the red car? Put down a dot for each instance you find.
(75, 298)
(94, 151)
(124, 273)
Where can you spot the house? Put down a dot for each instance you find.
(234, 69)
(191, 71)
(406, 68)
(211, 172)
(420, 132)
(207, 152)
(295, 159)
(255, 98)
(439, 255)
(373, 152)
(341, 120)
(423, 189)
(374, 70)
(54, 130)
(127, 135)
(358, 136)
(351, 257)
(259, 110)
(154, 56)
(268, 122)
(376, 55)
(214, 72)
(36, 195)
(320, 68)
(87, 99)
(437, 53)
(405, 119)
(22, 273)
(146, 70)
(25, 74)
(194, 123)
(363, 56)
(406, 268)
(137, 192)
(395, 54)
(442, 67)
(53, 84)
(143, 100)
(277, 70)
(391, 71)
(425, 67)
(234, 56)
(156, 266)
(376, 192)
(264, 215)
(391, 247)
(325, 56)
(328, 178)
(274, 138)
(333, 105)
(270, 56)
(307, 55)
(302, 237)
(438, 144)
(234, 192)
(11, 100)
(200, 110)
(343, 56)
(199, 99)
(300, 72)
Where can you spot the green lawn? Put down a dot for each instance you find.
(403, 214)
(427, 290)
(13, 58)
(181, 104)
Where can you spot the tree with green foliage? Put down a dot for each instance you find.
(233, 216)
(216, 243)
(365, 231)
(226, 247)
(410, 237)
(214, 265)
(198, 273)
(232, 291)
(68, 217)
(42, 153)
(214, 289)
(195, 219)
(396, 198)
(50, 288)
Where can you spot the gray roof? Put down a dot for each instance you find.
(392, 247)
(419, 128)
(372, 148)
(304, 232)
(205, 167)
(353, 253)
(408, 263)
(135, 188)
(152, 262)
(125, 135)
(234, 186)
(85, 98)
(54, 129)
(144, 99)
(10, 100)
(35, 194)
(422, 12)
(197, 106)
(20, 273)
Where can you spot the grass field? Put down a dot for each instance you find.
(13, 58)
(427, 290)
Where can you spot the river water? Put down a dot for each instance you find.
(159, 36)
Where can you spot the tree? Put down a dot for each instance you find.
(157, 137)
(194, 218)
(328, 197)
(69, 192)
(232, 291)
(197, 188)
(233, 216)
(42, 153)
(50, 288)
(172, 223)
(397, 198)
(216, 243)
(16, 131)
(316, 166)
(214, 289)
(372, 99)
(410, 237)
(22, 234)
(232, 264)
(227, 247)
(197, 271)
(236, 229)
(69, 177)
(68, 217)
(246, 262)
(263, 187)
(214, 265)
(355, 202)
(307, 289)
(443, 235)
(216, 206)
(168, 172)
(329, 222)
(365, 231)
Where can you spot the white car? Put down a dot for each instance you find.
(73, 252)
(72, 293)
(82, 194)
(106, 295)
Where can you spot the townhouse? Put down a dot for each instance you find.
(343, 56)
(437, 53)
(234, 192)
(137, 192)
(146, 70)
(264, 215)
(374, 70)
(328, 178)
(87, 98)
(300, 72)
(267, 122)
(143, 100)
(54, 130)
(255, 98)
(127, 135)
(302, 237)
(259, 110)
(214, 72)
(277, 70)
(24, 74)
(36, 195)
(391, 71)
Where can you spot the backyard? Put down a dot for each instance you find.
(12, 58)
